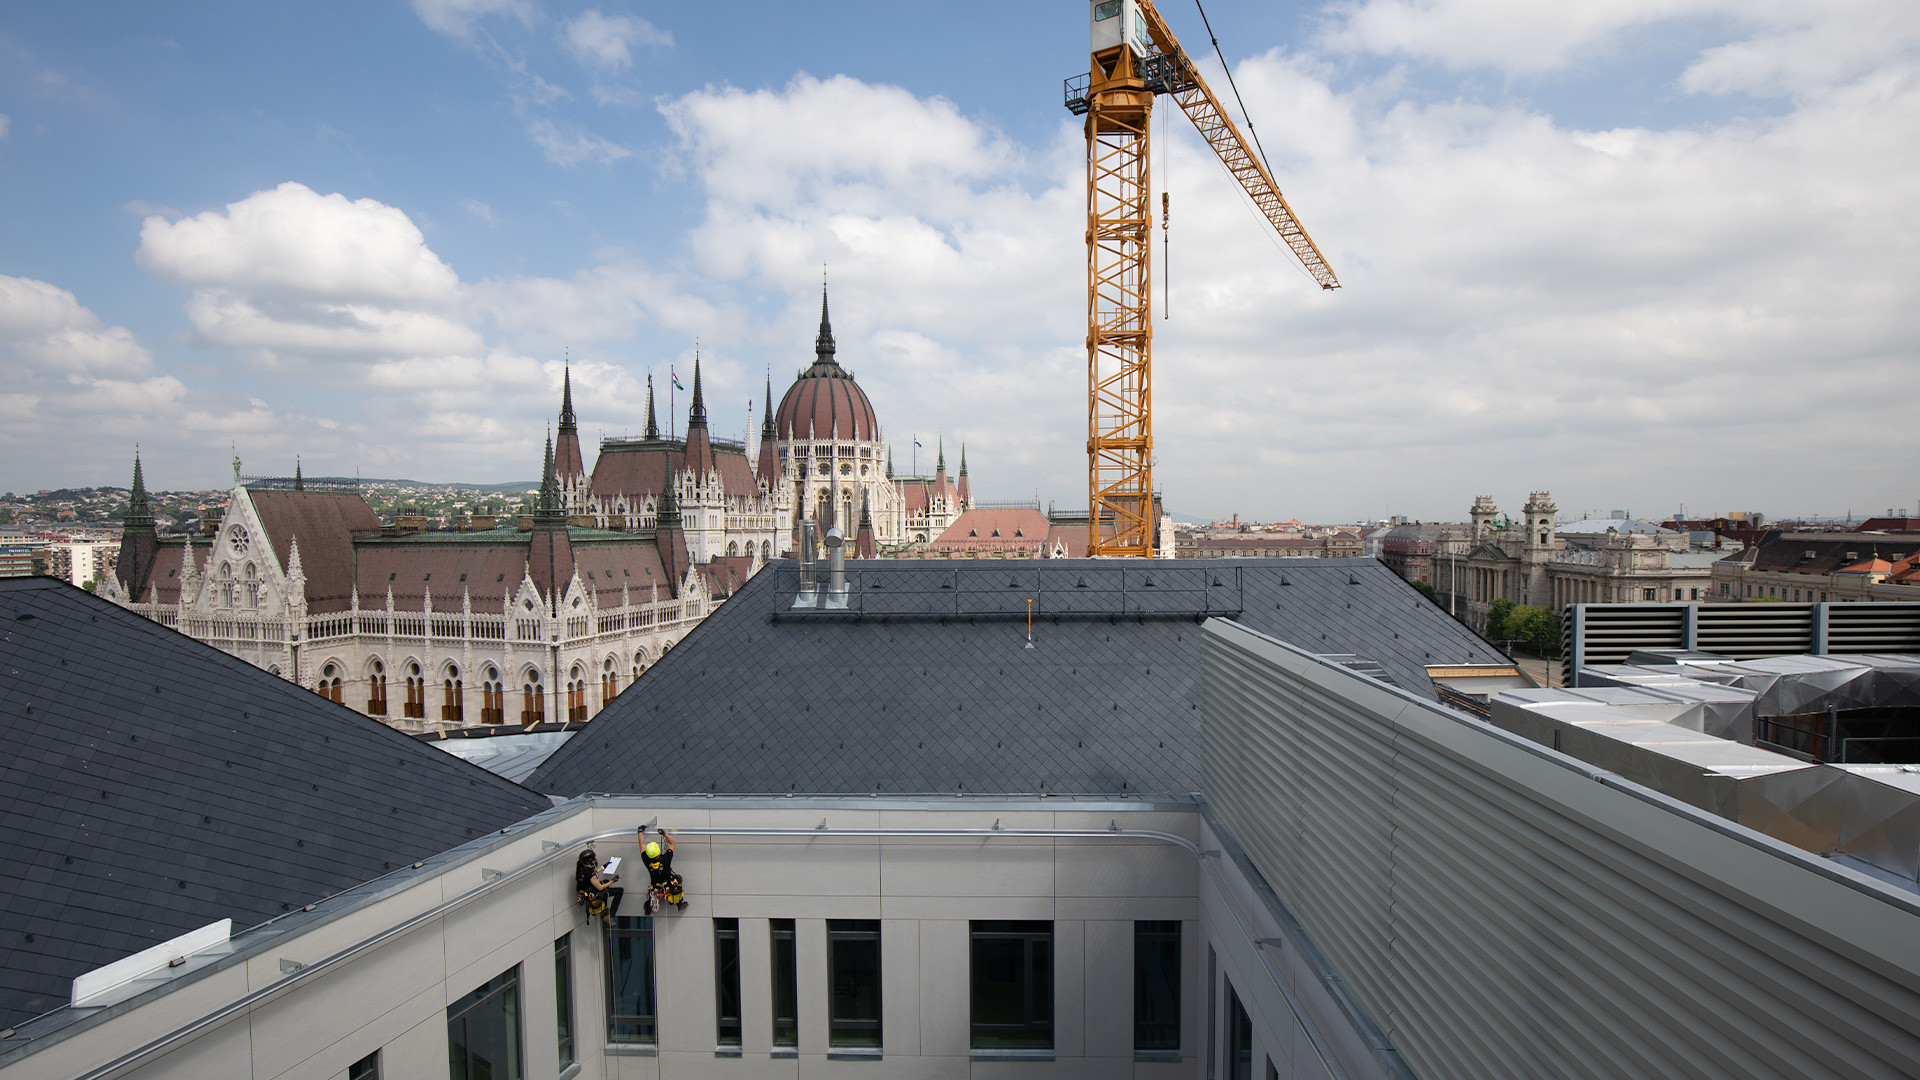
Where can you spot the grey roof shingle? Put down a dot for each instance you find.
(929, 687)
(151, 784)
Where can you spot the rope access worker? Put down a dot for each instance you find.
(657, 857)
(598, 893)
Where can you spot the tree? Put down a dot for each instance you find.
(1426, 590)
(90, 585)
(1534, 629)
(1497, 619)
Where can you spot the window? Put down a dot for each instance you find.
(1239, 1039)
(630, 1001)
(533, 700)
(786, 986)
(853, 983)
(416, 693)
(563, 996)
(493, 699)
(726, 981)
(367, 1068)
(1156, 986)
(330, 683)
(376, 690)
(576, 696)
(483, 1031)
(1212, 1026)
(453, 703)
(1649, 594)
(1012, 985)
(609, 682)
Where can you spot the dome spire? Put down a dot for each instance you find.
(823, 342)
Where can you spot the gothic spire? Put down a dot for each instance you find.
(823, 342)
(697, 415)
(299, 482)
(766, 422)
(653, 426)
(666, 514)
(963, 459)
(866, 517)
(547, 510)
(566, 400)
(139, 508)
(940, 466)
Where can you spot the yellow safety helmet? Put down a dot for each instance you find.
(653, 851)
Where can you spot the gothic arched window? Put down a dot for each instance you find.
(253, 586)
(416, 706)
(576, 695)
(452, 705)
(609, 682)
(533, 698)
(493, 698)
(330, 683)
(376, 688)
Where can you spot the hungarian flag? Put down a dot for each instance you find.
(916, 442)
(675, 378)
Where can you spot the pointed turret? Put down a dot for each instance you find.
(966, 495)
(550, 548)
(299, 481)
(699, 446)
(668, 537)
(769, 439)
(863, 547)
(569, 466)
(823, 341)
(889, 462)
(653, 426)
(139, 544)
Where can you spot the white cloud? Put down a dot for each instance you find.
(567, 145)
(6, 123)
(456, 18)
(606, 41)
(1514, 35)
(480, 210)
(46, 328)
(293, 241)
(1527, 304)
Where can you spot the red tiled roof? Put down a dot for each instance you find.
(825, 403)
(986, 527)
(325, 524)
(488, 566)
(916, 493)
(636, 472)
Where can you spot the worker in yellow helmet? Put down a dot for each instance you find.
(657, 857)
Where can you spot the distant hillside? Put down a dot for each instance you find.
(514, 488)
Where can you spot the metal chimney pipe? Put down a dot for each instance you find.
(809, 569)
(836, 562)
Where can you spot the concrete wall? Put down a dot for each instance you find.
(393, 996)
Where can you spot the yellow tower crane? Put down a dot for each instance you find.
(1135, 58)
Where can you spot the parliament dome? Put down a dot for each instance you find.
(825, 402)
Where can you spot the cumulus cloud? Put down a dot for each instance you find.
(605, 41)
(567, 145)
(1514, 35)
(1528, 303)
(289, 271)
(47, 329)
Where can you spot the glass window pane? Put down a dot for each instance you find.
(630, 997)
(1156, 985)
(726, 980)
(786, 992)
(1239, 1039)
(1012, 985)
(853, 963)
(563, 997)
(483, 1031)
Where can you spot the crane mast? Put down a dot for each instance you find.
(1135, 57)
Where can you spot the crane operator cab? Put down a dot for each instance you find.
(1119, 22)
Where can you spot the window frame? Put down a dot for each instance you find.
(846, 1033)
(632, 1029)
(367, 1068)
(504, 986)
(563, 1000)
(1033, 1034)
(1149, 1034)
(726, 980)
(785, 972)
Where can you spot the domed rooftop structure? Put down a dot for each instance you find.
(825, 402)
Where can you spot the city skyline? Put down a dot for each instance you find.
(1642, 256)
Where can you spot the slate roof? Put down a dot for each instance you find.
(325, 524)
(899, 697)
(151, 785)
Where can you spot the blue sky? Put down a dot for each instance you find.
(1639, 253)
